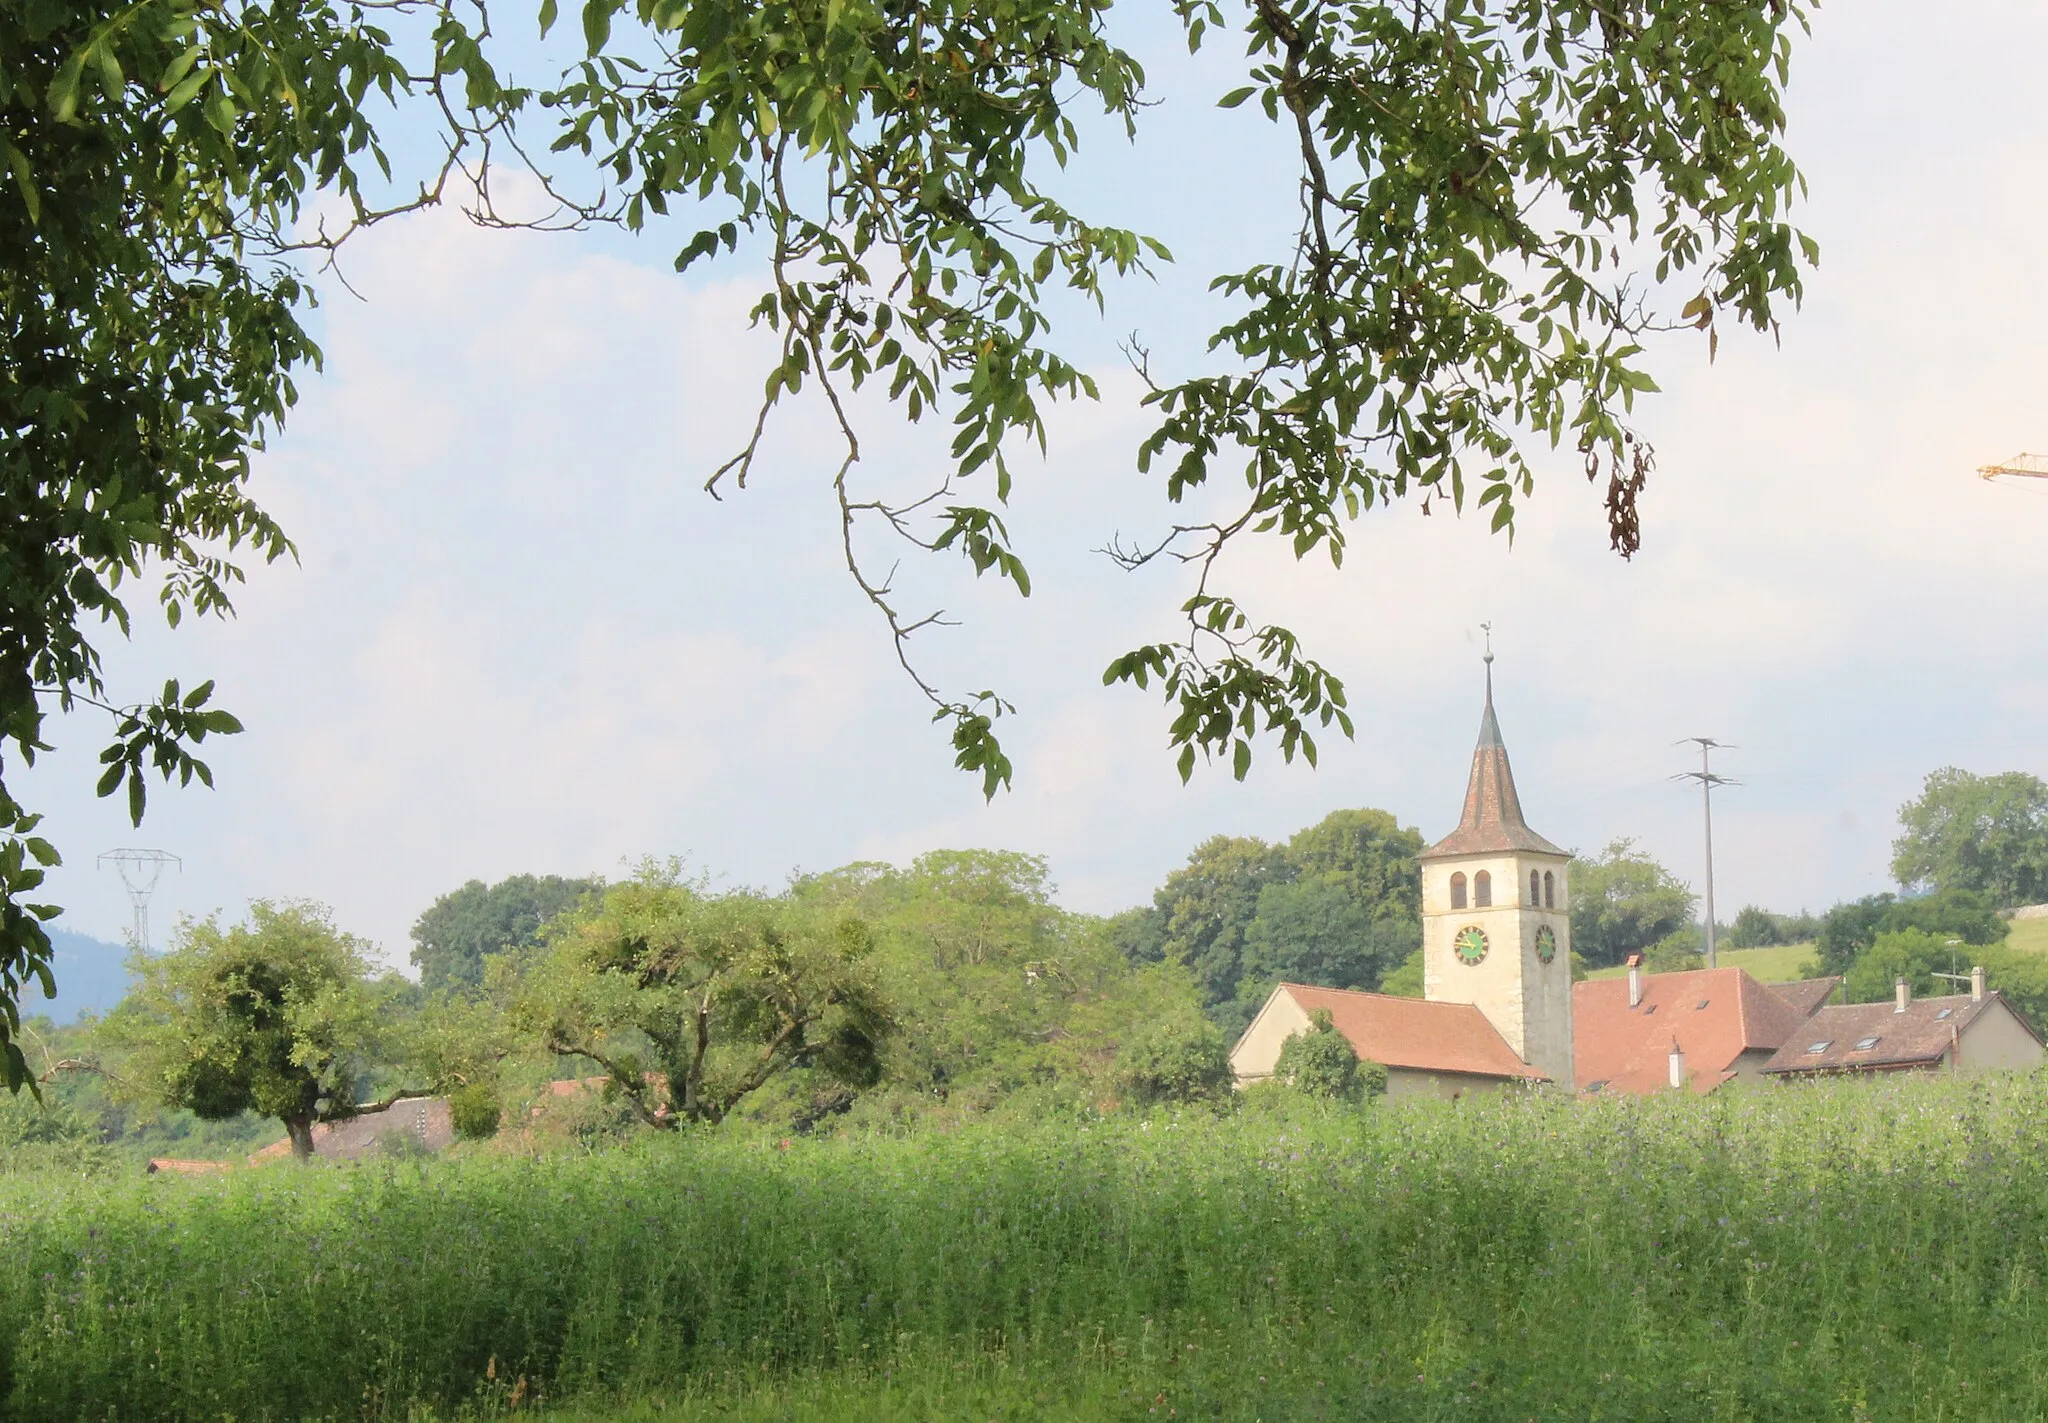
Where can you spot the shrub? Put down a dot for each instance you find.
(475, 1111)
(1176, 1062)
(1321, 1062)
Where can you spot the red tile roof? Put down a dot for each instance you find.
(1493, 811)
(174, 1166)
(1809, 995)
(1416, 1034)
(1714, 1014)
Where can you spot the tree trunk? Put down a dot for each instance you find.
(300, 1130)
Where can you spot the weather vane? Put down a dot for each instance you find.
(1487, 628)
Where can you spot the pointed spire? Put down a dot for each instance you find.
(1493, 811)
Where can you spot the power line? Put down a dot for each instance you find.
(1708, 780)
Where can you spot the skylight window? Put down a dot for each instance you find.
(1820, 1047)
(1943, 1014)
(1702, 1006)
(1596, 1086)
(1648, 1009)
(1864, 1044)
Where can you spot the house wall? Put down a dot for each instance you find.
(1528, 1001)
(1407, 1084)
(1748, 1067)
(1998, 1042)
(1256, 1052)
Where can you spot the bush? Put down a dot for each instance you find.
(1322, 1063)
(475, 1111)
(1176, 1062)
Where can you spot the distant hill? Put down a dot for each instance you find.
(90, 978)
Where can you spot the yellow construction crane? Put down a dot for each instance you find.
(2025, 466)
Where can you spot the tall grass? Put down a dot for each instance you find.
(1843, 1251)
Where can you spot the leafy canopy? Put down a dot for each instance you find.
(1624, 902)
(1498, 202)
(689, 1002)
(280, 1016)
(457, 931)
(1988, 834)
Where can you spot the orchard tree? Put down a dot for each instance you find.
(690, 1001)
(1498, 201)
(1624, 902)
(282, 1016)
(1988, 834)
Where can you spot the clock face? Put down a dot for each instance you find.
(1470, 944)
(1546, 944)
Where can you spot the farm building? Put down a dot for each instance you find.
(1978, 1031)
(1496, 951)
(1696, 1030)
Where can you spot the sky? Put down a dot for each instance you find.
(519, 637)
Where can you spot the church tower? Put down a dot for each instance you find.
(1496, 920)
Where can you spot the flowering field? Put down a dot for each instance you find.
(1855, 1251)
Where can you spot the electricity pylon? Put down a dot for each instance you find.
(140, 870)
(1708, 780)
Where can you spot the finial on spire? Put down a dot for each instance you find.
(1487, 628)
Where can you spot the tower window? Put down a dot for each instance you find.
(1535, 890)
(1458, 890)
(1482, 890)
(1549, 890)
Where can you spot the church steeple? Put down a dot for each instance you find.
(1492, 822)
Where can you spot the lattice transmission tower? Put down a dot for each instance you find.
(140, 870)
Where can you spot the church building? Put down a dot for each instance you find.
(1496, 950)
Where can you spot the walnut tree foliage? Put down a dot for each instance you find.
(1498, 201)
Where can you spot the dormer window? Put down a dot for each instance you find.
(1458, 890)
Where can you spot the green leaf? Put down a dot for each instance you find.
(1236, 97)
(548, 15)
(24, 179)
(597, 24)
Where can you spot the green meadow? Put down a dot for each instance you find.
(1845, 1251)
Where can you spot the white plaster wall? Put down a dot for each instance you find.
(1996, 1042)
(1259, 1049)
(1405, 1084)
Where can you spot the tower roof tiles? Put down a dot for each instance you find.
(1492, 822)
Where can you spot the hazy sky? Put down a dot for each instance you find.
(521, 638)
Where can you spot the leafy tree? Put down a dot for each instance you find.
(1338, 905)
(1455, 299)
(1186, 1061)
(1001, 999)
(689, 1002)
(1677, 952)
(1322, 1063)
(452, 938)
(1987, 834)
(1205, 910)
(1848, 929)
(281, 1016)
(1406, 981)
(1624, 901)
(1757, 928)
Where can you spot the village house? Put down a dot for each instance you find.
(1697, 1029)
(1972, 1032)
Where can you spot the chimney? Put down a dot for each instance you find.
(1902, 994)
(1635, 980)
(1677, 1064)
(1977, 983)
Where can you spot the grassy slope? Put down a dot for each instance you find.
(1784, 964)
(1787, 963)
